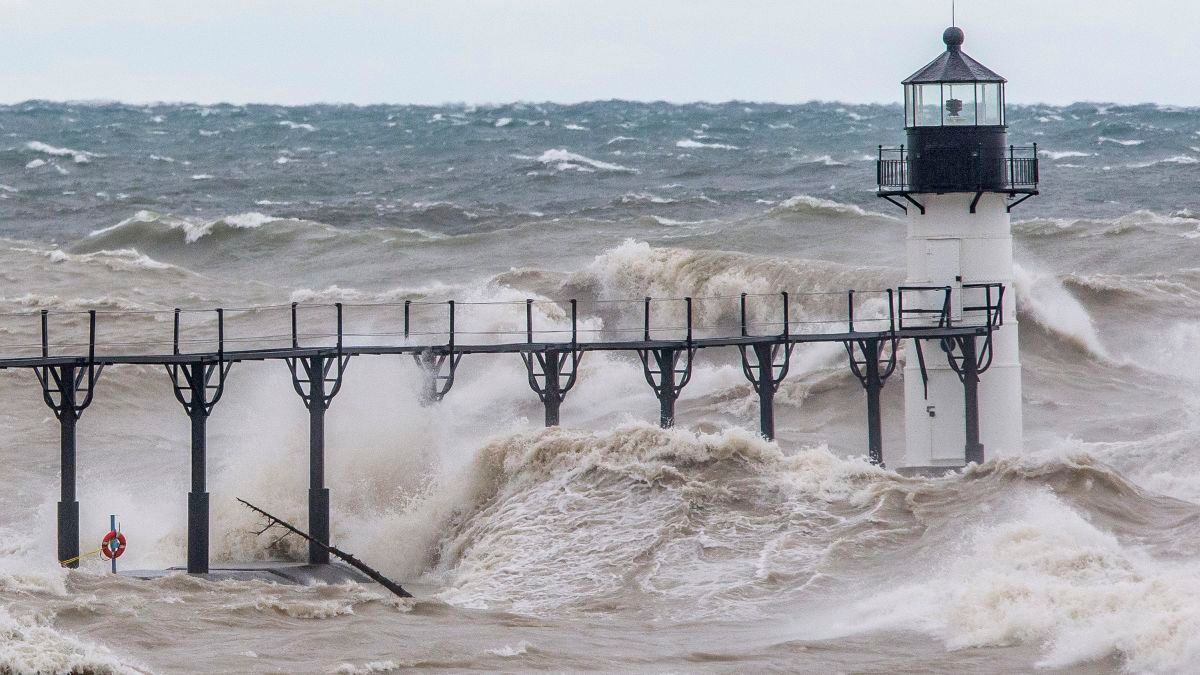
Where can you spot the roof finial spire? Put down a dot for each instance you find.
(953, 14)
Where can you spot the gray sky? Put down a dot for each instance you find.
(427, 51)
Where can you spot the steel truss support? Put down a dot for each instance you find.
(873, 361)
(872, 368)
(198, 394)
(552, 374)
(317, 379)
(437, 368)
(969, 362)
(553, 371)
(766, 370)
(662, 368)
(67, 390)
(769, 365)
(438, 374)
(667, 377)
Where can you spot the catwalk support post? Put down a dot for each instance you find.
(765, 363)
(970, 379)
(317, 379)
(195, 389)
(667, 369)
(873, 360)
(552, 371)
(439, 366)
(968, 361)
(67, 390)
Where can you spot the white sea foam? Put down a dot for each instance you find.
(810, 203)
(296, 126)
(694, 144)
(1063, 154)
(644, 198)
(564, 160)
(35, 163)
(503, 122)
(193, 230)
(670, 222)
(8, 188)
(1045, 575)
(1177, 159)
(575, 127)
(1117, 141)
(78, 156)
(162, 158)
(620, 139)
(368, 668)
(202, 176)
(825, 160)
(35, 646)
(521, 647)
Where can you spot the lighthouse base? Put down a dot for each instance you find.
(936, 416)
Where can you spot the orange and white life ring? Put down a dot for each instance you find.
(113, 545)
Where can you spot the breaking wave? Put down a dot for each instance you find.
(807, 206)
(564, 160)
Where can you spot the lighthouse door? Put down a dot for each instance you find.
(942, 262)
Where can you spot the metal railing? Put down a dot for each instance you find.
(105, 335)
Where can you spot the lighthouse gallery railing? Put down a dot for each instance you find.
(1019, 169)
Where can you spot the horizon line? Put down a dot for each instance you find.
(97, 102)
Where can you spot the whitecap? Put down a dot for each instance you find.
(78, 156)
(565, 160)
(1178, 159)
(1064, 154)
(1117, 141)
(511, 650)
(574, 127)
(503, 122)
(301, 126)
(689, 143)
(644, 198)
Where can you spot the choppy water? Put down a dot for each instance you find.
(607, 544)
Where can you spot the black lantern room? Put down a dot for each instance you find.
(957, 132)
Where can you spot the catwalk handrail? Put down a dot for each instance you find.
(903, 312)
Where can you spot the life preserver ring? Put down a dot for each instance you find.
(113, 545)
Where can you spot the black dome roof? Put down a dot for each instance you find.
(954, 65)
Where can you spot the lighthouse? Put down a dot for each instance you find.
(958, 179)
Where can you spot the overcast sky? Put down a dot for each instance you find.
(480, 51)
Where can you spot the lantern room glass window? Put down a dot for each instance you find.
(958, 106)
(954, 104)
(991, 104)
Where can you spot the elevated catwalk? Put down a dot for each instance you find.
(198, 348)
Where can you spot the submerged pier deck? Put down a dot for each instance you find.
(198, 348)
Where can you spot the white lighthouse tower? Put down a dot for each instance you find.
(958, 179)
